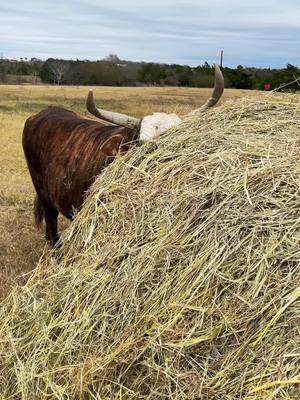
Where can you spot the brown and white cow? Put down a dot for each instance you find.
(66, 151)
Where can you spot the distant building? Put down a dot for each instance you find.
(112, 58)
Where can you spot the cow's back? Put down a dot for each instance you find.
(63, 152)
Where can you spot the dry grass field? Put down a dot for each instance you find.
(20, 244)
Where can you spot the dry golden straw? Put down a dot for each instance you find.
(179, 278)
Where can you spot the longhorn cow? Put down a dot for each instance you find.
(66, 151)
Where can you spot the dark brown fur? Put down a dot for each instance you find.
(38, 212)
(64, 153)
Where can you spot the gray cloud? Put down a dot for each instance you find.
(253, 33)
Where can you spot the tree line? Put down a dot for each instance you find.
(112, 71)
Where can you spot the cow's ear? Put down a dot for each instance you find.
(112, 145)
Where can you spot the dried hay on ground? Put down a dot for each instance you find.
(180, 276)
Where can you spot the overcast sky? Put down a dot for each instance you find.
(252, 33)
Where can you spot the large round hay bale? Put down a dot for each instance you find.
(180, 276)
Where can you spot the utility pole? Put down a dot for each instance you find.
(221, 61)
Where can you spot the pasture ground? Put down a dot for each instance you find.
(20, 244)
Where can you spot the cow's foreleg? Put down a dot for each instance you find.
(51, 215)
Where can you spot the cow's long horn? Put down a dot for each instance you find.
(115, 118)
(216, 94)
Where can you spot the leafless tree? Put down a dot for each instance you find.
(2, 69)
(58, 69)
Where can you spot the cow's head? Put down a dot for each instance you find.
(153, 125)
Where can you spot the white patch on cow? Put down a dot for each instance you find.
(157, 123)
